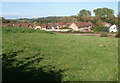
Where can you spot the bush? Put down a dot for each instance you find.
(104, 34)
(64, 28)
(100, 29)
(87, 32)
(76, 31)
(72, 31)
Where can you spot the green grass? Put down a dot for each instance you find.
(41, 55)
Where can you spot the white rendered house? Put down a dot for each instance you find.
(113, 28)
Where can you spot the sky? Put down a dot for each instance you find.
(14, 10)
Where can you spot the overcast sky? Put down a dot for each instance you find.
(14, 10)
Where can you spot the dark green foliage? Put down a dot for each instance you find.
(74, 32)
(64, 28)
(96, 29)
(46, 20)
(105, 14)
(70, 31)
(104, 29)
(84, 13)
(87, 32)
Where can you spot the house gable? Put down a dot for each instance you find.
(74, 26)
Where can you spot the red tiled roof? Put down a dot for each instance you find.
(36, 24)
(83, 24)
(7, 24)
(43, 25)
(26, 25)
(90, 23)
(104, 23)
(17, 24)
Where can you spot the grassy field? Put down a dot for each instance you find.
(36, 55)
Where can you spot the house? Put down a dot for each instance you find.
(59, 25)
(40, 26)
(23, 25)
(105, 24)
(51, 26)
(74, 26)
(37, 26)
(17, 25)
(113, 28)
(54, 26)
(43, 26)
(81, 26)
(66, 24)
(27, 25)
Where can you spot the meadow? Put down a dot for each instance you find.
(35, 55)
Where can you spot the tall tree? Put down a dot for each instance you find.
(98, 25)
(103, 13)
(4, 20)
(68, 19)
(84, 15)
(112, 19)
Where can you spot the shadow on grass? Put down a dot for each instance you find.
(14, 70)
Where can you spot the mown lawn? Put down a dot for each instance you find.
(46, 56)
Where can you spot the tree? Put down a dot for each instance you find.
(112, 19)
(68, 19)
(97, 25)
(103, 13)
(84, 15)
(5, 20)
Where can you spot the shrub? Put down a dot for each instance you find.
(87, 32)
(95, 29)
(104, 34)
(104, 29)
(76, 32)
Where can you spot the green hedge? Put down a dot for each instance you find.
(104, 29)
(64, 28)
(100, 29)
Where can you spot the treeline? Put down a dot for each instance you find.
(101, 15)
